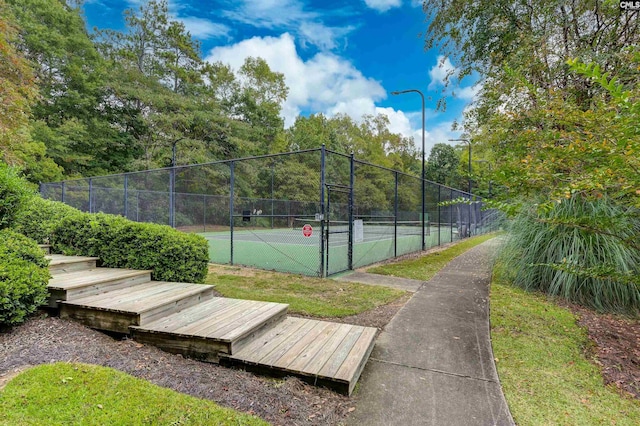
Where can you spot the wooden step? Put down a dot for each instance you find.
(46, 248)
(73, 285)
(319, 352)
(211, 327)
(60, 264)
(139, 304)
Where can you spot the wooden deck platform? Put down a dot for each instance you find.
(187, 319)
(319, 352)
(210, 328)
(116, 310)
(76, 284)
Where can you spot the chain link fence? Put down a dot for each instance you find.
(314, 212)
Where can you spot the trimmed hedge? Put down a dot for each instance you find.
(23, 277)
(121, 243)
(14, 191)
(38, 218)
(118, 242)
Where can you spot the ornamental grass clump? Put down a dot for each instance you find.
(585, 251)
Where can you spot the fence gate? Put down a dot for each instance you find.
(338, 230)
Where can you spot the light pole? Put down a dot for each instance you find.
(490, 172)
(468, 143)
(422, 173)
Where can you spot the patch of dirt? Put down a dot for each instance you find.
(287, 401)
(617, 349)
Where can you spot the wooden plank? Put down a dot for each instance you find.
(161, 311)
(237, 335)
(212, 318)
(286, 343)
(295, 350)
(99, 319)
(198, 348)
(106, 285)
(351, 369)
(185, 316)
(244, 320)
(76, 279)
(311, 350)
(264, 342)
(330, 345)
(336, 359)
(142, 297)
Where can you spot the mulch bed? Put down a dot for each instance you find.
(617, 347)
(45, 339)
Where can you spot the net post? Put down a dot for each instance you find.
(322, 209)
(63, 191)
(232, 167)
(351, 184)
(90, 195)
(395, 218)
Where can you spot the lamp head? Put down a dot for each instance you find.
(395, 93)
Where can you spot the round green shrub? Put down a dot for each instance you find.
(14, 191)
(23, 277)
(585, 251)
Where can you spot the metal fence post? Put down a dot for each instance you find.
(126, 196)
(232, 167)
(395, 218)
(439, 218)
(90, 195)
(322, 209)
(423, 204)
(352, 169)
(450, 218)
(172, 206)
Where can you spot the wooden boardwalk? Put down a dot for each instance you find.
(188, 319)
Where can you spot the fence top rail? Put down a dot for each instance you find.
(186, 166)
(257, 157)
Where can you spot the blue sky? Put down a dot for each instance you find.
(336, 56)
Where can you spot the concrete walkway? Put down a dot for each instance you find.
(433, 364)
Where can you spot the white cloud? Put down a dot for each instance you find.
(383, 5)
(288, 15)
(203, 28)
(322, 36)
(468, 93)
(441, 73)
(324, 83)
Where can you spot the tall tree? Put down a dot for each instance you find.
(18, 92)
(158, 86)
(71, 119)
(442, 166)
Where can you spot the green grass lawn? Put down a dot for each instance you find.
(80, 394)
(425, 267)
(545, 367)
(305, 295)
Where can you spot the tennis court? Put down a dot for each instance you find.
(253, 210)
(289, 250)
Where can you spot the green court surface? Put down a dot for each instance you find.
(288, 250)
